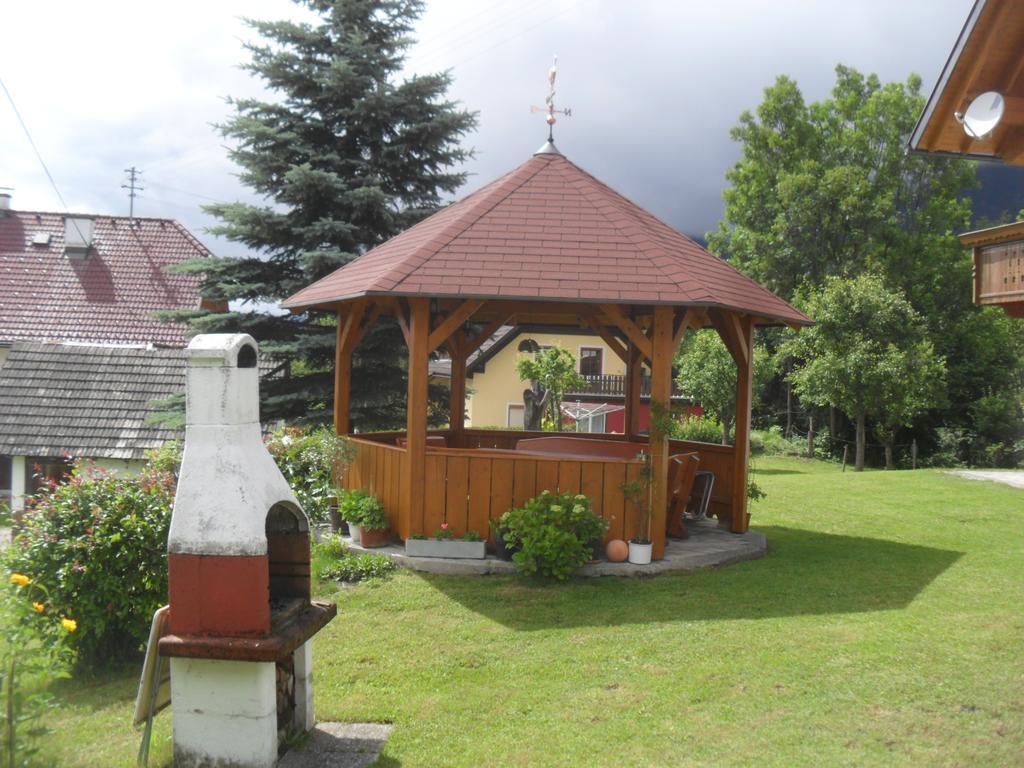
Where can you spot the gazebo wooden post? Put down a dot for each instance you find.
(741, 443)
(342, 380)
(413, 479)
(457, 400)
(661, 393)
(634, 370)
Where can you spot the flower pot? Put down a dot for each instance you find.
(501, 550)
(640, 554)
(336, 522)
(373, 537)
(596, 550)
(452, 548)
(356, 533)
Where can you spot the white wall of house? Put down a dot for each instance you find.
(17, 483)
(20, 465)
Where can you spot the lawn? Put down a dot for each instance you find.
(884, 628)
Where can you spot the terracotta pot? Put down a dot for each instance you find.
(373, 537)
(617, 550)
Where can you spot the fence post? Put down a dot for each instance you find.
(913, 453)
(846, 448)
(810, 438)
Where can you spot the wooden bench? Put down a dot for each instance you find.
(437, 441)
(575, 446)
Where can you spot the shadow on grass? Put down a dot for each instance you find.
(759, 471)
(805, 573)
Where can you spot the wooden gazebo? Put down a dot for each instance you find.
(546, 243)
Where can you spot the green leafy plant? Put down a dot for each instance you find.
(359, 567)
(554, 369)
(331, 546)
(418, 536)
(638, 493)
(698, 429)
(362, 508)
(313, 462)
(553, 533)
(99, 543)
(444, 533)
(470, 536)
(32, 653)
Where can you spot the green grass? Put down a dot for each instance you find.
(884, 628)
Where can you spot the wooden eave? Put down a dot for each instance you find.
(986, 57)
(992, 235)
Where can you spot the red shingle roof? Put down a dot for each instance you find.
(107, 297)
(548, 230)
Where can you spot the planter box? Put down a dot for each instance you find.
(463, 550)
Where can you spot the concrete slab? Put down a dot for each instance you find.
(339, 745)
(708, 546)
(1006, 477)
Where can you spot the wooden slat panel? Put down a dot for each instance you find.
(502, 483)
(569, 477)
(525, 481)
(479, 496)
(547, 476)
(629, 527)
(434, 493)
(457, 491)
(403, 502)
(612, 506)
(592, 485)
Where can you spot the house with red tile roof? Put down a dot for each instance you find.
(81, 353)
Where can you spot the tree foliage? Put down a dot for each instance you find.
(345, 154)
(869, 355)
(828, 189)
(554, 368)
(707, 373)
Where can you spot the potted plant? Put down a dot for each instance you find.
(639, 493)
(363, 512)
(373, 525)
(503, 550)
(444, 544)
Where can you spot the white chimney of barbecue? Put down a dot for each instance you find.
(228, 480)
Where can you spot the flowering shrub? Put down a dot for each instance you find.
(99, 543)
(312, 461)
(32, 652)
(362, 508)
(553, 533)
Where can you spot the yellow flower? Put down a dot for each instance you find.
(20, 579)
(38, 607)
(69, 624)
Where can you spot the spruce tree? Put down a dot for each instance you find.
(346, 154)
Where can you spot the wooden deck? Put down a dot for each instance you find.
(479, 475)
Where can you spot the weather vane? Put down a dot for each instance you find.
(550, 101)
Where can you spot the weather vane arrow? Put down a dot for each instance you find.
(550, 101)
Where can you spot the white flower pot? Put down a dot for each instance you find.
(640, 554)
(356, 532)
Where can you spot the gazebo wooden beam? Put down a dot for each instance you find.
(472, 345)
(634, 368)
(400, 311)
(690, 318)
(632, 330)
(456, 344)
(606, 336)
(451, 323)
(345, 342)
(730, 329)
(412, 479)
(661, 393)
(741, 443)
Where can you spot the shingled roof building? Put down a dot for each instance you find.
(81, 353)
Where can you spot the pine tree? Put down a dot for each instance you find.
(346, 157)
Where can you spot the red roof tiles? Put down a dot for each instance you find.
(548, 230)
(108, 296)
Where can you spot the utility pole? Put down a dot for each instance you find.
(133, 188)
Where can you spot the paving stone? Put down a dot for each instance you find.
(708, 546)
(339, 745)
(1011, 478)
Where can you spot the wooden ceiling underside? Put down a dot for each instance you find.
(991, 59)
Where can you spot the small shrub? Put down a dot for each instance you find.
(553, 533)
(471, 536)
(353, 568)
(697, 429)
(444, 533)
(331, 546)
(362, 508)
(771, 442)
(312, 461)
(99, 543)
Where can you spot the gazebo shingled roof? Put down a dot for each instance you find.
(548, 230)
(548, 243)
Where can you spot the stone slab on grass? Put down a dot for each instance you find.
(1009, 477)
(339, 745)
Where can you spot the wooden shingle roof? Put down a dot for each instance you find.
(547, 230)
(85, 400)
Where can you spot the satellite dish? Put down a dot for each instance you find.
(983, 115)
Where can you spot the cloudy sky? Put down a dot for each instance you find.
(654, 87)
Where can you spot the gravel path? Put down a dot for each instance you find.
(1006, 477)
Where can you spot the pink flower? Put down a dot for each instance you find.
(444, 526)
